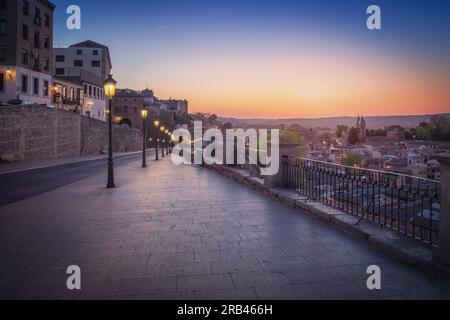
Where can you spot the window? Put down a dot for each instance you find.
(26, 7)
(78, 63)
(135, 109)
(46, 64)
(2, 81)
(46, 42)
(2, 54)
(72, 94)
(125, 109)
(60, 58)
(46, 88)
(95, 63)
(2, 27)
(2, 4)
(95, 52)
(59, 71)
(37, 16)
(85, 89)
(90, 90)
(24, 84)
(25, 32)
(47, 20)
(36, 86)
(37, 40)
(79, 52)
(116, 110)
(25, 56)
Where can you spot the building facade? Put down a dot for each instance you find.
(127, 105)
(26, 37)
(87, 63)
(68, 95)
(88, 55)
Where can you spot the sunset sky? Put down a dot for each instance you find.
(276, 59)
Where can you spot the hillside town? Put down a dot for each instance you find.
(389, 149)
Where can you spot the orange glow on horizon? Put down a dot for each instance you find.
(305, 84)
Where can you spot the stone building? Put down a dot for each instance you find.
(26, 38)
(127, 105)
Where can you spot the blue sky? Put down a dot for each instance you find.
(153, 38)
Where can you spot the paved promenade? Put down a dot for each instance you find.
(172, 232)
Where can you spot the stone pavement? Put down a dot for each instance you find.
(186, 232)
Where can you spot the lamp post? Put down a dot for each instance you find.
(156, 123)
(167, 141)
(110, 91)
(144, 114)
(162, 140)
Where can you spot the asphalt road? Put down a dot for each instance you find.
(22, 185)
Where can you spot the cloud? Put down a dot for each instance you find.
(160, 28)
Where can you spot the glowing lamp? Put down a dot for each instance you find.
(110, 87)
(144, 113)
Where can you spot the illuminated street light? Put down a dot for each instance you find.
(156, 124)
(110, 91)
(144, 115)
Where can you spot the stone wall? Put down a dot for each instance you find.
(39, 133)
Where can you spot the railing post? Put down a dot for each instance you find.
(442, 254)
(288, 153)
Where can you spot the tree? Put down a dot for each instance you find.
(340, 130)
(353, 136)
(212, 118)
(422, 133)
(351, 159)
(289, 136)
(227, 126)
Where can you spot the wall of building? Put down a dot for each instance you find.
(39, 133)
(87, 56)
(13, 85)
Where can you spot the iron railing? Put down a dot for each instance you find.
(404, 203)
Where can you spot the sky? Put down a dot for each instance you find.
(275, 59)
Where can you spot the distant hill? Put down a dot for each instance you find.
(376, 122)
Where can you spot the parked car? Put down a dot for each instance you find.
(18, 102)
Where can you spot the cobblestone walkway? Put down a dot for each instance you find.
(172, 232)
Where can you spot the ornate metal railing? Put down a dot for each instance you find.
(404, 203)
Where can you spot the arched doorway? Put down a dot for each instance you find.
(125, 121)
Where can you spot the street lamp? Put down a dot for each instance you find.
(167, 141)
(144, 115)
(110, 91)
(156, 123)
(162, 136)
(170, 141)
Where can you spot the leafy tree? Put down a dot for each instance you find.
(353, 136)
(423, 133)
(227, 126)
(290, 136)
(351, 159)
